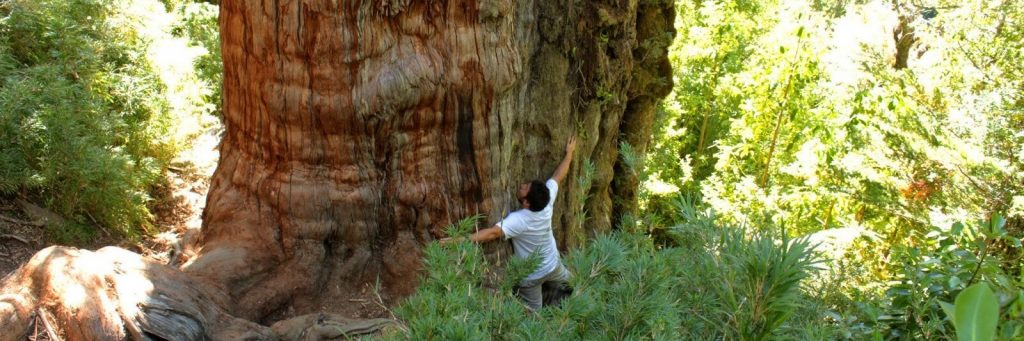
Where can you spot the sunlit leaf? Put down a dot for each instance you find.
(977, 313)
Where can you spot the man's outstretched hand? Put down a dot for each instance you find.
(563, 167)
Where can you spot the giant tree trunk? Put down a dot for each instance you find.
(356, 130)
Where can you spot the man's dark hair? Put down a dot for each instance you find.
(538, 196)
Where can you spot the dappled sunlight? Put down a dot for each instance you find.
(659, 187)
(834, 243)
(857, 38)
(80, 278)
(203, 152)
(886, 132)
(174, 59)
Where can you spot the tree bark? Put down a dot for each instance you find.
(357, 130)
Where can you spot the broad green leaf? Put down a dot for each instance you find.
(957, 229)
(997, 224)
(949, 309)
(976, 313)
(954, 283)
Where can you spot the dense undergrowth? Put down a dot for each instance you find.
(97, 97)
(891, 130)
(701, 279)
(708, 281)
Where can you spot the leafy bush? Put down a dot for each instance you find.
(716, 282)
(198, 22)
(975, 314)
(795, 111)
(92, 107)
(907, 284)
(462, 296)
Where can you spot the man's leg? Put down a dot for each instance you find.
(530, 293)
(560, 274)
(556, 286)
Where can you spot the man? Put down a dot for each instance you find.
(530, 231)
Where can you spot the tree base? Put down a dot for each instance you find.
(115, 294)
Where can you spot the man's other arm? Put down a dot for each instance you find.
(563, 168)
(487, 234)
(480, 237)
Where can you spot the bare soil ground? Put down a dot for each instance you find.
(19, 238)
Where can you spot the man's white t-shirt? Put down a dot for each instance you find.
(531, 232)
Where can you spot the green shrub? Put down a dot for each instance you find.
(89, 115)
(900, 292)
(756, 278)
(715, 282)
(198, 22)
(462, 297)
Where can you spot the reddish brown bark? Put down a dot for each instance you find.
(355, 132)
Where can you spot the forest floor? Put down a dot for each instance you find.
(177, 207)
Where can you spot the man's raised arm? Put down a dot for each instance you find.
(563, 168)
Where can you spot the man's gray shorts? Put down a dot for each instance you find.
(530, 291)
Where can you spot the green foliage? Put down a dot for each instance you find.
(768, 282)
(769, 118)
(901, 293)
(462, 296)
(975, 314)
(713, 45)
(198, 23)
(626, 286)
(793, 112)
(89, 114)
(757, 278)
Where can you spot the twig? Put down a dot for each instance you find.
(989, 192)
(380, 302)
(984, 253)
(35, 327)
(46, 323)
(980, 263)
(19, 221)
(11, 236)
(98, 225)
